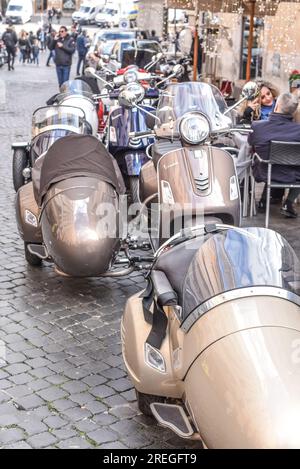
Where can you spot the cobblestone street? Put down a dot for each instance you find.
(64, 384)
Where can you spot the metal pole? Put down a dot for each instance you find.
(250, 40)
(196, 43)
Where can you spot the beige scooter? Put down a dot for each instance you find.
(212, 346)
(190, 176)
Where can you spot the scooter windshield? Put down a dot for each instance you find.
(75, 87)
(42, 142)
(56, 118)
(239, 258)
(181, 98)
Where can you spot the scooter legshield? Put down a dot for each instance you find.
(244, 390)
(80, 226)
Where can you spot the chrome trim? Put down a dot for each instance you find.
(236, 295)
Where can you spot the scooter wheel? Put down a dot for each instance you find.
(144, 401)
(32, 260)
(20, 161)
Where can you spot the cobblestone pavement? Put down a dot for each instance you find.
(63, 384)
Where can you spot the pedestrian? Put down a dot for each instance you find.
(35, 49)
(50, 15)
(49, 39)
(153, 36)
(64, 46)
(24, 45)
(58, 15)
(10, 40)
(82, 45)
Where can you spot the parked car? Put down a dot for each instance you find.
(122, 58)
(108, 18)
(87, 12)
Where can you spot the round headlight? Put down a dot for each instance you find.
(138, 90)
(194, 128)
(130, 76)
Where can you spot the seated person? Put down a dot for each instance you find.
(279, 127)
(261, 107)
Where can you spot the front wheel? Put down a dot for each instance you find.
(32, 260)
(20, 162)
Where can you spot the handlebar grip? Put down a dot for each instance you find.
(146, 133)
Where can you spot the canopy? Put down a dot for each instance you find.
(78, 155)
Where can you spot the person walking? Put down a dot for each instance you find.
(10, 40)
(82, 45)
(24, 46)
(64, 46)
(49, 39)
(35, 50)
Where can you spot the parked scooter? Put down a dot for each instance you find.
(124, 119)
(73, 96)
(212, 345)
(187, 176)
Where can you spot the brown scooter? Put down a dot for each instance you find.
(189, 176)
(212, 346)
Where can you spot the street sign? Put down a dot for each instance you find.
(124, 24)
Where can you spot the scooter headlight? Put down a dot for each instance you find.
(194, 128)
(130, 76)
(138, 90)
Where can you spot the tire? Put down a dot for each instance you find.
(134, 188)
(144, 401)
(20, 162)
(32, 260)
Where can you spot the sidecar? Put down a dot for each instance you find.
(69, 213)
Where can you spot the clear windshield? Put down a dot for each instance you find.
(181, 98)
(234, 259)
(83, 9)
(67, 118)
(75, 87)
(14, 8)
(42, 142)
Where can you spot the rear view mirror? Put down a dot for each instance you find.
(127, 99)
(250, 90)
(178, 70)
(90, 72)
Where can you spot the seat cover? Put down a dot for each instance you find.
(84, 155)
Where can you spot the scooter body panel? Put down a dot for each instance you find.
(203, 178)
(25, 202)
(122, 121)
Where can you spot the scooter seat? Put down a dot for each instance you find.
(176, 261)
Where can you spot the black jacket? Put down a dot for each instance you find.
(63, 55)
(10, 39)
(279, 127)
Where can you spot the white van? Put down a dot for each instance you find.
(19, 11)
(108, 17)
(88, 11)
